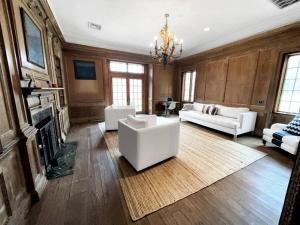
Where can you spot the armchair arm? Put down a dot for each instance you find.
(247, 121)
(278, 126)
(127, 141)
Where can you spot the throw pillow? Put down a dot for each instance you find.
(294, 126)
(210, 110)
(205, 109)
(214, 110)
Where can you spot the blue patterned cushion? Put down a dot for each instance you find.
(294, 126)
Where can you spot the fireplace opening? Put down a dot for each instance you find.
(46, 137)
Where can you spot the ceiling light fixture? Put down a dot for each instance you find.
(167, 51)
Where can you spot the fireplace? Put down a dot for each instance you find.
(46, 137)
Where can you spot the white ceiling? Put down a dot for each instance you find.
(130, 25)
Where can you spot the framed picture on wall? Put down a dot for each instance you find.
(84, 70)
(33, 41)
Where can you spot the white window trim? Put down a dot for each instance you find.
(191, 98)
(282, 79)
(127, 63)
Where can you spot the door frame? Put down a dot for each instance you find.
(129, 76)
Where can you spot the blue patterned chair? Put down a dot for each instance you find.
(284, 136)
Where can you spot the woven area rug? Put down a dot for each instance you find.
(203, 159)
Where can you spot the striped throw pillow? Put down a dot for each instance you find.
(294, 126)
(210, 109)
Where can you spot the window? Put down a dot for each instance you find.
(289, 97)
(136, 94)
(124, 67)
(128, 84)
(188, 86)
(119, 91)
(135, 68)
(118, 66)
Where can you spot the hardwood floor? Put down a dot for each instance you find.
(92, 195)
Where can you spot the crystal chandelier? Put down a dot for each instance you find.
(167, 51)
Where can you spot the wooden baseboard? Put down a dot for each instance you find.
(86, 119)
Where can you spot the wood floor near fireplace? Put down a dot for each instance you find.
(92, 195)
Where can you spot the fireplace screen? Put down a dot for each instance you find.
(46, 137)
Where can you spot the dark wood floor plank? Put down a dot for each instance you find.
(93, 196)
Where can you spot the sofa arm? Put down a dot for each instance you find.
(278, 126)
(247, 121)
(187, 106)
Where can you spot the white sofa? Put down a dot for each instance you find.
(113, 114)
(289, 143)
(145, 141)
(231, 120)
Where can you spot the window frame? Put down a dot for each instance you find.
(127, 66)
(281, 83)
(128, 76)
(191, 98)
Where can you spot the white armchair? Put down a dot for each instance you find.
(145, 141)
(114, 113)
(288, 143)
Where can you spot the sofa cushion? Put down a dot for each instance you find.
(269, 132)
(232, 112)
(150, 119)
(198, 106)
(294, 126)
(190, 113)
(136, 122)
(291, 140)
(187, 107)
(218, 120)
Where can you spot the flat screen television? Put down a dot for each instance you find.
(84, 70)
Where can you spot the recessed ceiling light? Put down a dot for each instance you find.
(206, 29)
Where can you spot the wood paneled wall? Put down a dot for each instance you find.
(164, 85)
(87, 99)
(22, 177)
(245, 73)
